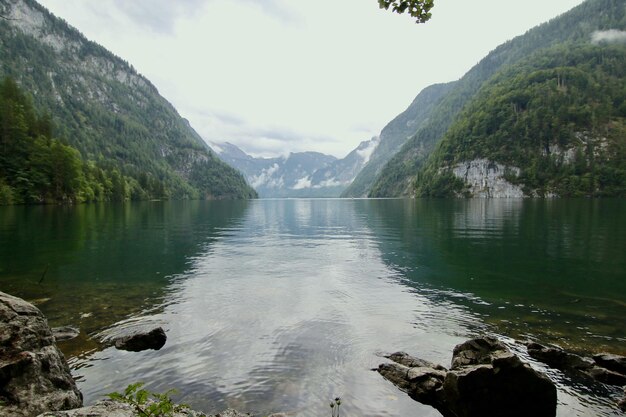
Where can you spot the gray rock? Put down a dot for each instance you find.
(407, 360)
(557, 358)
(109, 408)
(615, 363)
(504, 387)
(606, 376)
(65, 333)
(603, 368)
(477, 352)
(34, 376)
(485, 380)
(136, 342)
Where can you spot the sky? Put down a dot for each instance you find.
(280, 76)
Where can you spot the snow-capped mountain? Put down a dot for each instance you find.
(301, 174)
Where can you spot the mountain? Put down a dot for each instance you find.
(332, 180)
(301, 174)
(576, 27)
(395, 134)
(275, 177)
(552, 125)
(116, 119)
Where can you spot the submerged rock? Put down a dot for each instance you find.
(34, 376)
(558, 358)
(136, 342)
(606, 368)
(65, 333)
(615, 363)
(485, 379)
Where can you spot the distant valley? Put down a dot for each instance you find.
(301, 174)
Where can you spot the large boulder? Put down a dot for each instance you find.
(485, 379)
(34, 376)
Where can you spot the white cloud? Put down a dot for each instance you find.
(302, 183)
(366, 153)
(265, 178)
(243, 70)
(609, 36)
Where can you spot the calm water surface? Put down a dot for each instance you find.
(281, 305)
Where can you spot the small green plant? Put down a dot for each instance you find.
(148, 404)
(334, 407)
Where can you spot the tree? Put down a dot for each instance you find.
(419, 9)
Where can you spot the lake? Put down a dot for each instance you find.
(282, 305)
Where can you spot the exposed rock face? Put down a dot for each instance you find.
(486, 179)
(34, 376)
(605, 368)
(154, 339)
(485, 380)
(110, 408)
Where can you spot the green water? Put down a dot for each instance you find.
(279, 305)
(555, 269)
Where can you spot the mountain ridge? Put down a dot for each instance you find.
(299, 174)
(101, 106)
(398, 177)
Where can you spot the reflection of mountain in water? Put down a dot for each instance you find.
(288, 310)
(100, 263)
(549, 267)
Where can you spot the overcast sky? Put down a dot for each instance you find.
(280, 76)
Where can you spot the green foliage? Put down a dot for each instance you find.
(572, 28)
(419, 9)
(113, 116)
(557, 116)
(38, 168)
(146, 403)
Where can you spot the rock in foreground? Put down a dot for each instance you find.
(34, 376)
(485, 380)
(153, 339)
(108, 408)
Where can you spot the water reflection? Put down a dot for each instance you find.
(551, 265)
(545, 270)
(281, 305)
(103, 263)
(287, 310)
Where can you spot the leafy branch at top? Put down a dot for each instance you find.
(419, 9)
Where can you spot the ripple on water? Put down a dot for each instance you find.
(282, 305)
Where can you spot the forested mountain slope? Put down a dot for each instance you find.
(395, 134)
(112, 115)
(554, 124)
(575, 27)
